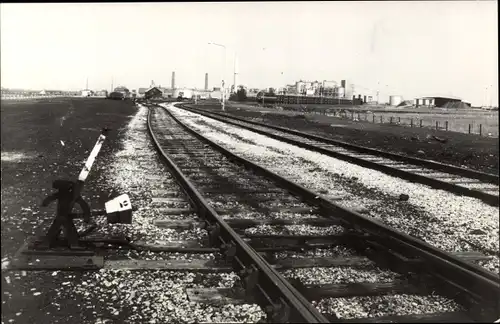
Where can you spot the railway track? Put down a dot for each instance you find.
(222, 231)
(275, 216)
(437, 175)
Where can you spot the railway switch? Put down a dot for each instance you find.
(71, 250)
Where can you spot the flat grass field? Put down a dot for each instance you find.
(458, 119)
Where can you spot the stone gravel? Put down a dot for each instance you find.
(401, 304)
(159, 296)
(340, 275)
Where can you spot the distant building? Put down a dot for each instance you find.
(184, 93)
(154, 92)
(436, 101)
(123, 90)
(141, 92)
(86, 93)
(167, 92)
(102, 93)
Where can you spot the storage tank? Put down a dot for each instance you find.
(341, 92)
(299, 85)
(395, 100)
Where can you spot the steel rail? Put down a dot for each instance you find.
(272, 289)
(486, 177)
(435, 183)
(469, 278)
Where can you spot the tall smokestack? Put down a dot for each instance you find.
(206, 81)
(342, 83)
(173, 80)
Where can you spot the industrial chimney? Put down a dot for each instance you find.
(173, 80)
(342, 83)
(206, 81)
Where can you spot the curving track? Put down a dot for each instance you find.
(253, 196)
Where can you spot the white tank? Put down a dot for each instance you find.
(341, 92)
(395, 100)
(299, 85)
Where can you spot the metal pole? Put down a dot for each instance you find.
(223, 76)
(234, 73)
(222, 96)
(223, 83)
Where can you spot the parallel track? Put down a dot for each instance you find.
(187, 153)
(437, 175)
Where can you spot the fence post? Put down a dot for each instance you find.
(352, 115)
(480, 129)
(390, 121)
(437, 125)
(359, 116)
(399, 120)
(420, 123)
(446, 125)
(469, 128)
(374, 118)
(411, 122)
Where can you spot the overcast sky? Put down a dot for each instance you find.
(403, 48)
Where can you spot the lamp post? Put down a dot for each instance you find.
(378, 85)
(224, 73)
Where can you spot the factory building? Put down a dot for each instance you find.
(153, 92)
(315, 88)
(436, 101)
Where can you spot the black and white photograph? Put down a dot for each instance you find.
(250, 162)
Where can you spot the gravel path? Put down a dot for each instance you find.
(438, 217)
